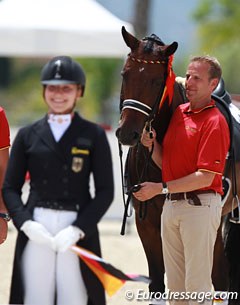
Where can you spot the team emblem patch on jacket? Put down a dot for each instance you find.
(77, 164)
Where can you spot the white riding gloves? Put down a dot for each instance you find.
(36, 232)
(67, 237)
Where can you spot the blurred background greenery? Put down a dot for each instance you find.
(217, 23)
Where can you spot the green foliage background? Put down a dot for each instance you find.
(218, 35)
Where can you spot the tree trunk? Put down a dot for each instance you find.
(141, 17)
(5, 72)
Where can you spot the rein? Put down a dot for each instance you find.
(150, 113)
(133, 189)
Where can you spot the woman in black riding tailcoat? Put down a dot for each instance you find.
(59, 152)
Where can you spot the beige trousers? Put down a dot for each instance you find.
(188, 236)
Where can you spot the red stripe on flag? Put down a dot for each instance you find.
(111, 278)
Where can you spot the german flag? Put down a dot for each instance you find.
(111, 278)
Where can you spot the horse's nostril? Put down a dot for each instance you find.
(127, 138)
(136, 135)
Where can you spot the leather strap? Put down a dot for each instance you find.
(164, 184)
(193, 196)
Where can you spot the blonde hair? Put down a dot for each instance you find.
(215, 70)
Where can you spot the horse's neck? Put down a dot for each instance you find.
(163, 117)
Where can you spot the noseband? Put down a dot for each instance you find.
(136, 105)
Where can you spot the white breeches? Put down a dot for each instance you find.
(47, 273)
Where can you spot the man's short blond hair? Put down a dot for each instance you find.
(215, 70)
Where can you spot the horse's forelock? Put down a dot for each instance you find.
(155, 39)
(150, 42)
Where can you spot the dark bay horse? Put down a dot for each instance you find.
(149, 96)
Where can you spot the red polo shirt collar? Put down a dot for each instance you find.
(197, 110)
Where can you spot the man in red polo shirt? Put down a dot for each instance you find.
(4, 153)
(192, 158)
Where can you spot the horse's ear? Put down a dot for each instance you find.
(131, 41)
(171, 49)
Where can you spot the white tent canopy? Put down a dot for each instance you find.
(39, 28)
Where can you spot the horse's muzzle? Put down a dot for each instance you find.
(127, 138)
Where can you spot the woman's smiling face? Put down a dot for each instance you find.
(61, 99)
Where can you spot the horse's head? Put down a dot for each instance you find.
(145, 73)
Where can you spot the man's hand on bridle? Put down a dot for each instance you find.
(148, 137)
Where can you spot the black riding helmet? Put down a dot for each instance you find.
(63, 70)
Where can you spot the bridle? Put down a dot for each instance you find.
(150, 113)
(136, 105)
